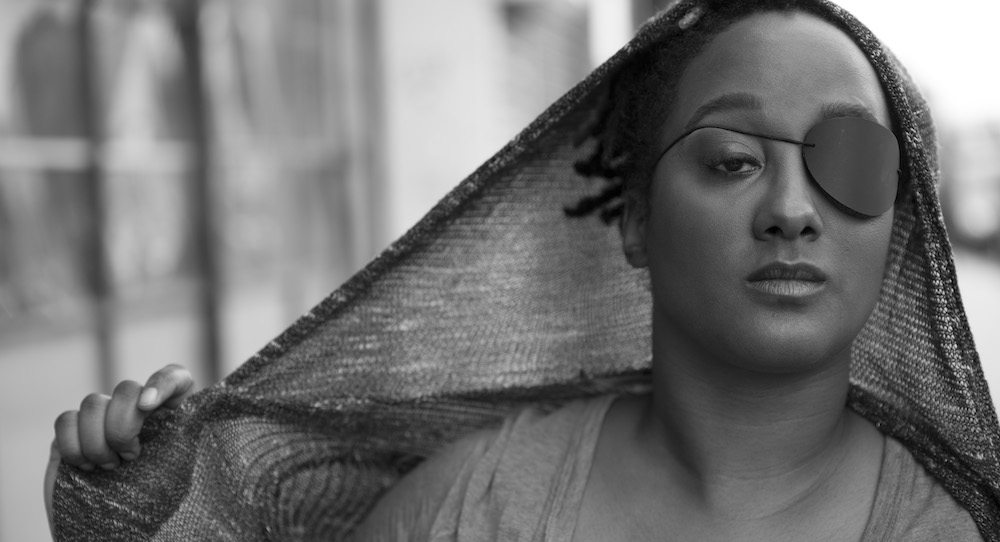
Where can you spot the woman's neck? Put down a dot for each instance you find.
(744, 441)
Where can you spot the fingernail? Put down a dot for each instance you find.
(109, 466)
(87, 466)
(148, 397)
(129, 456)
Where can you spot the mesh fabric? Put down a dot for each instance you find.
(495, 300)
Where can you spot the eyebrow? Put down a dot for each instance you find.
(844, 109)
(746, 101)
(726, 102)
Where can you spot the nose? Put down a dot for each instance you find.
(788, 210)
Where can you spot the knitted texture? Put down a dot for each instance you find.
(496, 300)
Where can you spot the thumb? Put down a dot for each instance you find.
(167, 387)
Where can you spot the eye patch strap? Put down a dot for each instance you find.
(855, 161)
(742, 132)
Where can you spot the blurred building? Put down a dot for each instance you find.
(179, 180)
(330, 126)
(970, 187)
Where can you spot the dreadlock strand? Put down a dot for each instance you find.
(612, 213)
(589, 204)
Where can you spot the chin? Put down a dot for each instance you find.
(793, 351)
(792, 362)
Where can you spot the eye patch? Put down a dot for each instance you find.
(853, 160)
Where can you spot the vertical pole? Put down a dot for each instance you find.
(96, 266)
(187, 21)
(341, 98)
(350, 35)
(374, 106)
(339, 257)
(370, 122)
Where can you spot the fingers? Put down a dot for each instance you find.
(123, 421)
(167, 387)
(91, 431)
(105, 430)
(68, 440)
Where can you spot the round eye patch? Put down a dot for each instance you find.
(853, 160)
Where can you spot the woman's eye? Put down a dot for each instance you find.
(736, 165)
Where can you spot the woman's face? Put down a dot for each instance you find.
(749, 260)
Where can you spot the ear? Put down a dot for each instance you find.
(635, 215)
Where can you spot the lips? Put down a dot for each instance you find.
(787, 279)
(788, 271)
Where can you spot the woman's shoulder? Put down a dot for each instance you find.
(530, 432)
(913, 505)
(552, 426)
(503, 471)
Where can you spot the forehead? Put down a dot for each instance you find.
(794, 67)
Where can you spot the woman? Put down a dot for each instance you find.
(797, 267)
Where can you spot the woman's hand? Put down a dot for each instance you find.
(105, 431)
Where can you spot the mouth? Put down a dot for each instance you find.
(789, 280)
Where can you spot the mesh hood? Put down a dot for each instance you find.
(495, 300)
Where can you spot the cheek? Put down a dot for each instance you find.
(694, 217)
(869, 241)
(878, 237)
(862, 255)
(694, 235)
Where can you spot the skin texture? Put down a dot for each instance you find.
(704, 235)
(746, 435)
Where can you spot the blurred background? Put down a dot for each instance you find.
(180, 179)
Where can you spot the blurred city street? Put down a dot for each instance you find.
(979, 281)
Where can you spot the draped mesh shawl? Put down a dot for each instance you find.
(495, 300)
